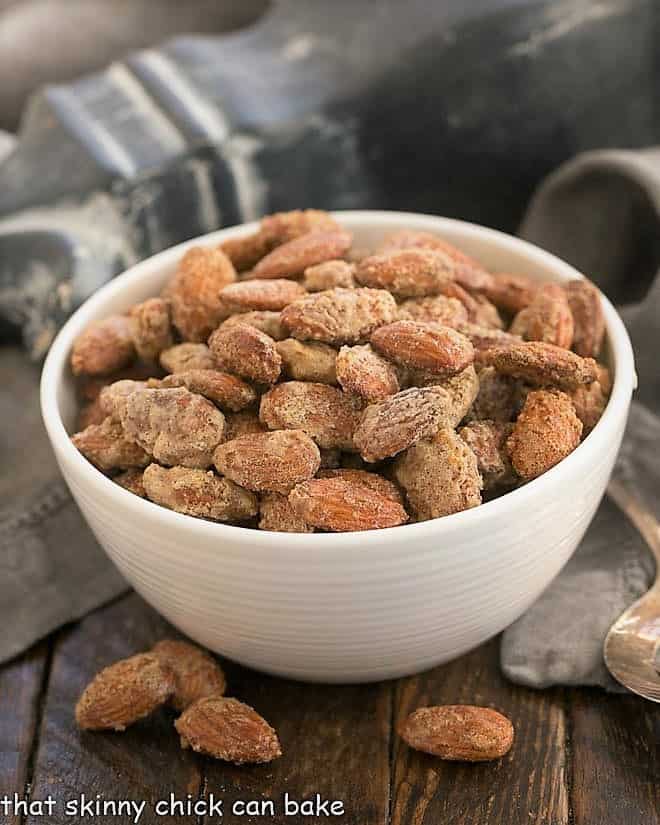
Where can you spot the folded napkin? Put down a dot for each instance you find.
(600, 212)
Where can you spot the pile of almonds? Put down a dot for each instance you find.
(191, 682)
(285, 382)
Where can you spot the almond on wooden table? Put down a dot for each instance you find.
(272, 461)
(125, 692)
(227, 729)
(196, 673)
(464, 733)
(342, 505)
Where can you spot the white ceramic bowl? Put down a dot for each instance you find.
(356, 606)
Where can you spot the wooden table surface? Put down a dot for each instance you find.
(580, 757)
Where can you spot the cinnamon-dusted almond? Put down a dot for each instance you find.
(373, 481)
(485, 337)
(282, 227)
(247, 352)
(441, 350)
(308, 360)
(328, 275)
(463, 733)
(151, 328)
(272, 461)
(407, 273)
(439, 309)
(541, 364)
(325, 413)
(187, 356)
(227, 391)
(363, 372)
(510, 292)
(546, 431)
(392, 425)
(125, 692)
(196, 674)
(198, 493)
(194, 292)
(468, 272)
(175, 426)
(278, 516)
(260, 294)
(590, 400)
(104, 347)
(245, 251)
(340, 505)
(291, 259)
(587, 308)
(439, 475)
(266, 321)
(339, 316)
(242, 423)
(113, 398)
(227, 729)
(106, 446)
(548, 318)
(486, 439)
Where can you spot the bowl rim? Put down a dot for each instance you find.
(501, 508)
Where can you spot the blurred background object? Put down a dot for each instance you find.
(457, 108)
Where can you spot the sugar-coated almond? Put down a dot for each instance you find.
(267, 321)
(545, 432)
(373, 481)
(325, 413)
(438, 309)
(104, 347)
(282, 227)
(278, 516)
(339, 316)
(341, 505)
(259, 294)
(196, 674)
(548, 318)
(406, 273)
(272, 461)
(363, 372)
(308, 360)
(187, 356)
(227, 729)
(227, 391)
(107, 447)
(151, 328)
(587, 307)
(440, 350)
(541, 364)
(198, 493)
(463, 733)
(291, 259)
(125, 692)
(328, 275)
(247, 352)
(194, 292)
(510, 292)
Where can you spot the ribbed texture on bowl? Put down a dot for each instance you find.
(353, 607)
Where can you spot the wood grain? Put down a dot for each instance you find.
(528, 786)
(21, 693)
(335, 742)
(143, 763)
(616, 759)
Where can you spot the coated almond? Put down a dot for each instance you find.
(541, 364)
(340, 505)
(104, 347)
(363, 372)
(196, 674)
(460, 733)
(227, 391)
(272, 461)
(264, 295)
(227, 729)
(440, 350)
(247, 352)
(587, 307)
(407, 273)
(291, 259)
(125, 692)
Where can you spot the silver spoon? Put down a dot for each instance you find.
(632, 643)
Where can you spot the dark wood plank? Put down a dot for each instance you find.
(527, 787)
(143, 763)
(616, 759)
(335, 741)
(21, 688)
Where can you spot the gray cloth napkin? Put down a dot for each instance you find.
(601, 213)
